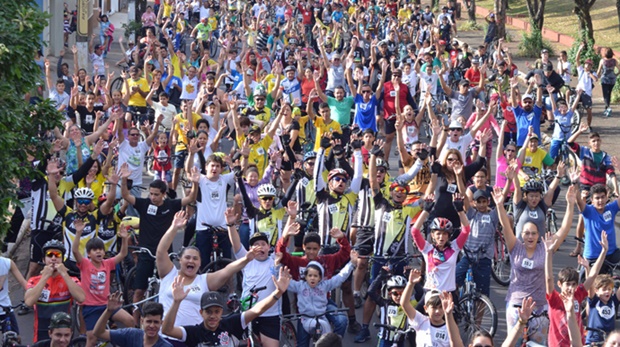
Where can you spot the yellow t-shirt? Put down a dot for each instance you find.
(321, 128)
(259, 152)
(532, 162)
(181, 127)
(302, 128)
(167, 9)
(270, 82)
(403, 15)
(137, 99)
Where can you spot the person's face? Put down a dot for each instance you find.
(530, 235)
(133, 73)
(482, 204)
(212, 317)
(451, 160)
(435, 314)
(463, 88)
(368, 138)
(366, 93)
(395, 79)
(455, 134)
(440, 238)
(398, 194)
(190, 263)
(290, 75)
(381, 174)
(254, 136)
(191, 72)
(157, 76)
(93, 169)
(308, 74)
(116, 97)
(312, 277)
(339, 94)
(528, 105)
(595, 143)
(74, 132)
(533, 145)
(260, 102)
(60, 87)
(266, 202)
(214, 169)
(162, 140)
(613, 340)
(90, 99)
(81, 74)
(311, 250)
(156, 196)
(53, 257)
(409, 114)
(481, 341)
(604, 293)
(544, 56)
(568, 288)
(325, 112)
(309, 166)
(338, 184)
(60, 337)
(96, 255)
(262, 249)
(563, 108)
(599, 200)
(417, 148)
(510, 152)
(133, 137)
(480, 179)
(533, 199)
(252, 178)
(163, 52)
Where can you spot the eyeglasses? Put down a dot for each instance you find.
(395, 293)
(83, 201)
(381, 170)
(266, 198)
(366, 91)
(260, 99)
(134, 134)
(340, 179)
(400, 190)
(53, 254)
(452, 159)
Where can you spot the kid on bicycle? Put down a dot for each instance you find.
(563, 116)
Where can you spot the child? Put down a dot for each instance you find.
(162, 165)
(568, 280)
(430, 330)
(312, 293)
(95, 274)
(564, 117)
(603, 305)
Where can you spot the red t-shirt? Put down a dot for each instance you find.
(96, 281)
(558, 329)
(472, 75)
(55, 297)
(389, 98)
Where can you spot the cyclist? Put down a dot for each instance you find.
(59, 331)
(585, 81)
(305, 195)
(563, 115)
(137, 87)
(184, 123)
(54, 290)
(530, 114)
(7, 265)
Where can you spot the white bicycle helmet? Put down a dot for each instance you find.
(266, 190)
(396, 282)
(84, 193)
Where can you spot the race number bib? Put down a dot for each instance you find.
(45, 295)
(387, 217)
(451, 188)
(393, 94)
(152, 210)
(576, 306)
(528, 160)
(392, 311)
(528, 264)
(486, 219)
(333, 208)
(441, 335)
(304, 182)
(532, 214)
(89, 119)
(215, 195)
(607, 216)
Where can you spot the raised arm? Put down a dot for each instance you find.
(567, 221)
(594, 270)
(125, 172)
(405, 299)
(162, 260)
(507, 229)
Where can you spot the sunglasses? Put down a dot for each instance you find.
(381, 170)
(83, 201)
(395, 293)
(400, 190)
(340, 179)
(134, 134)
(267, 198)
(452, 159)
(259, 99)
(53, 254)
(366, 91)
(456, 129)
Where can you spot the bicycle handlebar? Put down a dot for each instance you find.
(299, 315)
(143, 250)
(392, 328)
(211, 227)
(256, 290)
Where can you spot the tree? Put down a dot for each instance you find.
(21, 23)
(471, 10)
(536, 10)
(618, 10)
(582, 10)
(500, 17)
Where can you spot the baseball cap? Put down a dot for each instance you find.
(289, 68)
(544, 50)
(383, 43)
(98, 46)
(336, 56)
(209, 299)
(527, 96)
(60, 320)
(254, 128)
(492, 15)
(455, 124)
(548, 67)
(480, 193)
(534, 136)
(258, 236)
(430, 294)
(588, 61)
(463, 82)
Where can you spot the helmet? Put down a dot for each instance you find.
(131, 222)
(396, 282)
(260, 91)
(533, 186)
(266, 190)
(382, 163)
(309, 155)
(441, 223)
(54, 244)
(102, 198)
(337, 172)
(398, 183)
(84, 193)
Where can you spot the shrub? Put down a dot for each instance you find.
(470, 26)
(615, 93)
(533, 43)
(588, 53)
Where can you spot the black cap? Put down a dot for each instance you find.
(258, 236)
(480, 193)
(209, 299)
(60, 320)
(548, 67)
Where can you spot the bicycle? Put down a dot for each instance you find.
(236, 306)
(500, 264)
(10, 338)
(534, 324)
(565, 153)
(152, 290)
(601, 332)
(475, 311)
(399, 333)
(288, 334)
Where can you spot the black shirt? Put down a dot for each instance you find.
(228, 333)
(87, 118)
(155, 220)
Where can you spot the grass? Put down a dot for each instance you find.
(559, 17)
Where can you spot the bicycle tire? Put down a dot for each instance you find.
(576, 120)
(233, 284)
(79, 341)
(117, 84)
(128, 290)
(572, 160)
(288, 335)
(148, 166)
(467, 322)
(552, 224)
(500, 264)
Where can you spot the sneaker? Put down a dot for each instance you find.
(357, 298)
(354, 327)
(607, 112)
(363, 336)
(24, 310)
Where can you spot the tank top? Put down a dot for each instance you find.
(608, 75)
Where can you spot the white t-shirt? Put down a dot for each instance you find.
(428, 335)
(190, 88)
(258, 274)
(168, 111)
(460, 145)
(212, 205)
(585, 83)
(134, 157)
(411, 80)
(428, 81)
(565, 66)
(98, 64)
(189, 309)
(5, 267)
(257, 7)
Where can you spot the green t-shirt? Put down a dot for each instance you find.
(268, 100)
(598, 157)
(341, 110)
(202, 31)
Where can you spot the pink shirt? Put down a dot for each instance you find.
(500, 178)
(96, 281)
(491, 121)
(148, 20)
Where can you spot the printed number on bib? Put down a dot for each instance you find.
(451, 188)
(607, 216)
(215, 195)
(528, 264)
(391, 311)
(152, 210)
(45, 295)
(333, 208)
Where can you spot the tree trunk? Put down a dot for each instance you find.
(618, 9)
(582, 10)
(500, 17)
(471, 10)
(140, 9)
(536, 10)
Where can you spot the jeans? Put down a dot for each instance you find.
(204, 242)
(481, 272)
(244, 234)
(339, 321)
(607, 88)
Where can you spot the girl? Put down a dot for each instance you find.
(162, 165)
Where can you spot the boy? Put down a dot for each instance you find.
(95, 274)
(431, 330)
(568, 280)
(603, 303)
(564, 117)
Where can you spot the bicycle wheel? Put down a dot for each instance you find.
(576, 119)
(571, 161)
(476, 312)
(552, 224)
(501, 262)
(288, 336)
(79, 341)
(128, 290)
(117, 84)
(233, 284)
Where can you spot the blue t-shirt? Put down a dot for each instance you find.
(365, 112)
(602, 316)
(563, 129)
(133, 337)
(525, 120)
(594, 224)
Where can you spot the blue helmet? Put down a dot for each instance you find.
(309, 155)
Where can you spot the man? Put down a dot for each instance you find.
(54, 290)
(339, 105)
(463, 99)
(156, 214)
(548, 77)
(137, 87)
(59, 331)
(291, 88)
(323, 124)
(335, 70)
(529, 114)
(150, 324)
(216, 330)
(366, 101)
(491, 29)
(389, 107)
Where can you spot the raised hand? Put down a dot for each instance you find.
(498, 196)
(457, 202)
(429, 203)
(291, 208)
(230, 215)
(125, 171)
(79, 225)
(526, 309)
(179, 221)
(284, 278)
(178, 292)
(292, 229)
(336, 233)
(550, 242)
(415, 276)
(446, 302)
(115, 301)
(604, 243)
(195, 177)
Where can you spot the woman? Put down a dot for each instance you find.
(189, 265)
(527, 259)
(606, 69)
(106, 33)
(148, 20)
(613, 340)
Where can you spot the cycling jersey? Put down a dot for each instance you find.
(259, 152)
(181, 127)
(391, 223)
(263, 115)
(90, 229)
(107, 229)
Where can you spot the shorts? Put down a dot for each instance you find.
(144, 270)
(92, 313)
(368, 241)
(586, 101)
(397, 268)
(268, 326)
(37, 239)
(554, 148)
(390, 125)
(142, 110)
(167, 174)
(547, 100)
(179, 160)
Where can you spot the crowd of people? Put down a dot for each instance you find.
(277, 124)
